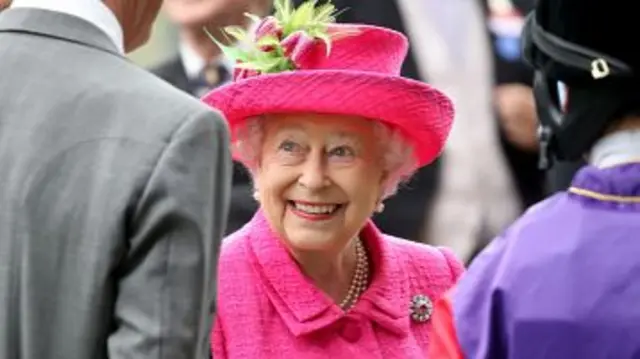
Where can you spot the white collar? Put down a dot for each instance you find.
(93, 11)
(615, 149)
(194, 63)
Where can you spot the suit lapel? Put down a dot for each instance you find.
(55, 25)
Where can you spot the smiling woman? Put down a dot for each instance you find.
(328, 131)
(319, 179)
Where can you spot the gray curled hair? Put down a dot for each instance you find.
(398, 160)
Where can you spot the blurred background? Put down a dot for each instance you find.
(162, 45)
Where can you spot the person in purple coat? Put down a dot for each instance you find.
(563, 282)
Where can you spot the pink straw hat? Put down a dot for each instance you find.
(358, 76)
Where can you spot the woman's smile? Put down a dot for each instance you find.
(314, 211)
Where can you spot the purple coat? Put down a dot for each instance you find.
(562, 283)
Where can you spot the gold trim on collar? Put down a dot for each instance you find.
(602, 196)
(624, 163)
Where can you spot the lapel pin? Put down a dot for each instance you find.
(421, 308)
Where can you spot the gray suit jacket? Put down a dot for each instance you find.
(113, 198)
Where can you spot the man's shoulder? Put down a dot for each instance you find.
(535, 237)
(153, 101)
(548, 213)
(133, 80)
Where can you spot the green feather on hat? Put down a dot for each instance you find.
(265, 53)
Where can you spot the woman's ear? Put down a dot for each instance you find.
(255, 181)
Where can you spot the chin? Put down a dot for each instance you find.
(301, 241)
(314, 232)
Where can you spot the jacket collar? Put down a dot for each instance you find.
(304, 308)
(56, 25)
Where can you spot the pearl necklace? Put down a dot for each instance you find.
(360, 278)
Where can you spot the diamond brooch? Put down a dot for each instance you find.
(421, 308)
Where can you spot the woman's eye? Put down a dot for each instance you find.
(342, 151)
(288, 146)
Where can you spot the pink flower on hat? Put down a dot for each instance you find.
(302, 49)
(269, 26)
(295, 45)
(299, 47)
(240, 73)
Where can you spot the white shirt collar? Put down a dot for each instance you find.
(616, 149)
(93, 11)
(194, 63)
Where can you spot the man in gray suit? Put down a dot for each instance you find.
(113, 190)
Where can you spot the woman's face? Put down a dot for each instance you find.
(319, 178)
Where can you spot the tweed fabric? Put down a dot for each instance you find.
(269, 309)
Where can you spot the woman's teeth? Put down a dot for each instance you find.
(315, 209)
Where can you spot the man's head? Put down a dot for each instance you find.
(4, 4)
(586, 73)
(137, 18)
(213, 13)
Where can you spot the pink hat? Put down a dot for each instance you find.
(358, 75)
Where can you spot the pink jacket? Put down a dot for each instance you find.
(268, 309)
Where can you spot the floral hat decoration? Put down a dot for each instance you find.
(301, 61)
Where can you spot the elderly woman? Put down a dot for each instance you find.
(328, 130)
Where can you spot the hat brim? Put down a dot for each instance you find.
(422, 113)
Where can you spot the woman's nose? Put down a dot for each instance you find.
(313, 174)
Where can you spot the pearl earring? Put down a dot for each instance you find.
(380, 207)
(256, 196)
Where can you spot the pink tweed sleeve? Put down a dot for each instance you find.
(455, 265)
(217, 341)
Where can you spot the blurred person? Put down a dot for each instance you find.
(516, 106)
(4, 4)
(488, 173)
(513, 97)
(199, 67)
(327, 137)
(562, 281)
(113, 190)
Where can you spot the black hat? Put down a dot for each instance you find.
(594, 30)
(584, 45)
